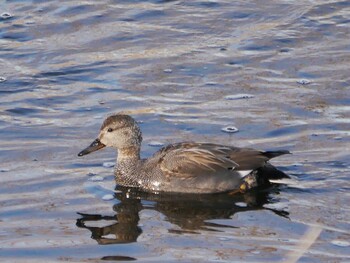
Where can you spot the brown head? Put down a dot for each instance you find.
(117, 131)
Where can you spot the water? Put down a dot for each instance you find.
(174, 66)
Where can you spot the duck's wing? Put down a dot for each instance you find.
(196, 159)
(185, 160)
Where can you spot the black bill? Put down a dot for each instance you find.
(94, 146)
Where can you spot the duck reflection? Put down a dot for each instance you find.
(191, 213)
(124, 230)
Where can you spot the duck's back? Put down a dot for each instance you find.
(201, 167)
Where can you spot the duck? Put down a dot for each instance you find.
(183, 167)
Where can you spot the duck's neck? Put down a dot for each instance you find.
(128, 161)
(129, 154)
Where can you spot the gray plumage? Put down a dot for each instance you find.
(186, 167)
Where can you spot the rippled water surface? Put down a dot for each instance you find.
(276, 70)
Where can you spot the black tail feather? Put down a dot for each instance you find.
(273, 154)
(268, 172)
(271, 172)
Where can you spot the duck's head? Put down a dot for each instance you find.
(117, 131)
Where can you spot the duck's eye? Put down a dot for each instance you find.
(110, 130)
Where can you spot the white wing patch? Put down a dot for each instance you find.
(288, 181)
(244, 173)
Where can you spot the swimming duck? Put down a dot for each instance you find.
(186, 167)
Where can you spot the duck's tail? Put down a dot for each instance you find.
(266, 175)
(263, 178)
(270, 172)
(273, 154)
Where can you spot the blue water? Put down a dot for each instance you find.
(65, 65)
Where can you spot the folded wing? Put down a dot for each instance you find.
(186, 160)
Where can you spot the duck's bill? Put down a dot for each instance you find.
(94, 146)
